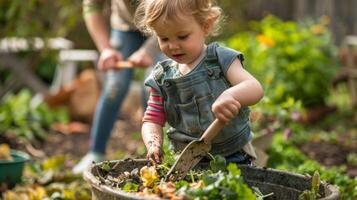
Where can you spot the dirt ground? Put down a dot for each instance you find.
(124, 142)
(78, 144)
(333, 154)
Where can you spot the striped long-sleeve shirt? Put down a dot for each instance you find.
(155, 110)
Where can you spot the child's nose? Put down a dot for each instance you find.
(173, 45)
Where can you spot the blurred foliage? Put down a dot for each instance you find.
(285, 156)
(19, 117)
(292, 60)
(336, 129)
(235, 19)
(38, 18)
(46, 65)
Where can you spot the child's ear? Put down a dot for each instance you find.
(207, 26)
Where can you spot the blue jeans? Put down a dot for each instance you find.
(114, 91)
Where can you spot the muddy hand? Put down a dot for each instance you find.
(155, 154)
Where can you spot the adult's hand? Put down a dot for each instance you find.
(108, 59)
(141, 58)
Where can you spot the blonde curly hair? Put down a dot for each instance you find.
(150, 12)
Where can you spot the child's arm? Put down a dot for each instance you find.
(245, 91)
(152, 137)
(153, 121)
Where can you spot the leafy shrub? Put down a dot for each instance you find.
(18, 117)
(291, 60)
(285, 156)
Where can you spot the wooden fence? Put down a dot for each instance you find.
(343, 13)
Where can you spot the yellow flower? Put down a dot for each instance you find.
(262, 39)
(317, 29)
(149, 176)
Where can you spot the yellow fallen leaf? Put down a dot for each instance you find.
(149, 176)
(5, 153)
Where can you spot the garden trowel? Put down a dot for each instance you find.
(194, 152)
(124, 65)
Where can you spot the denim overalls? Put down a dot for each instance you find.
(188, 101)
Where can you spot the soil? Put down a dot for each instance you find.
(77, 144)
(123, 142)
(333, 154)
(326, 153)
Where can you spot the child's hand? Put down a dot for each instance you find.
(155, 153)
(226, 107)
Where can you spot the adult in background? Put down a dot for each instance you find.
(124, 42)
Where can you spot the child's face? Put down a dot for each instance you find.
(181, 40)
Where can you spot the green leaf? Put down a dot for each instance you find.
(315, 183)
(218, 163)
(53, 163)
(233, 169)
(130, 187)
(105, 166)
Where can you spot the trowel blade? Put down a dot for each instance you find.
(190, 156)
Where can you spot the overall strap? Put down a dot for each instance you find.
(211, 52)
(212, 61)
(154, 80)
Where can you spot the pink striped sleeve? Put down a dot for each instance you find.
(155, 112)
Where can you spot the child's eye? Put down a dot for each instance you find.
(164, 39)
(182, 37)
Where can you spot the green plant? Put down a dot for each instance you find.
(292, 60)
(18, 117)
(352, 159)
(219, 185)
(285, 156)
(312, 194)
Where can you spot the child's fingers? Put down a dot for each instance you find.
(155, 156)
(222, 117)
(226, 112)
(237, 104)
(229, 113)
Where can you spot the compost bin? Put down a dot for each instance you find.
(284, 185)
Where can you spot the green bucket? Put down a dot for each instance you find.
(11, 171)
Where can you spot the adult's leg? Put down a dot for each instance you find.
(115, 89)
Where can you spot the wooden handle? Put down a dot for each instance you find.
(124, 65)
(212, 131)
